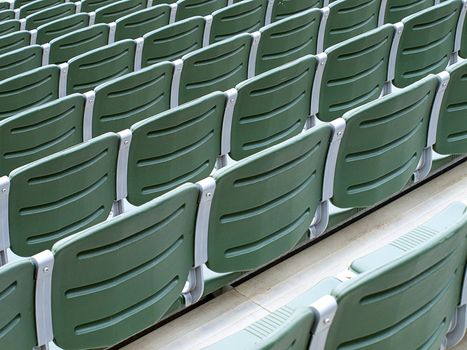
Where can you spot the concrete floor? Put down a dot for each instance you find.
(270, 290)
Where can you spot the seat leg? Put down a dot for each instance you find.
(320, 221)
(118, 208)
(424, 166)
(195, 286)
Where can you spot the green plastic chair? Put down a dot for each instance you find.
(287, 40)
(174, 147)
(91, 69)
(14, 41)
(270, 108)
(284, 9)
(217, 67)
(383, 145)
(117, 9)
(40, 132)
(263, 205)
(7, 15)
(77, 43)
(450, 138)
(20, 61)
(9, 26)
(93, 5)
(243, 17)
(119, 278)
(36, 6)
(352, 73)
(396, 10)
(50, 14)
(173, 41)
(54, 29)
(137, 24)
(191, 8)
(40, 85)
(5, 5)
(122, 102)
(426, 43)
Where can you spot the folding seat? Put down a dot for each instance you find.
(243, 17)
(352, 73)
(118, 9)
(6, 15)
(54, 29)
(137, 24)
(287, 40)
(190, 8)
(36, 6)
(14, 41)
(120, 277)
(9, 26)
(401, 296)
(426, 42)
(59, 195)
(269, 108)
(39, 85)
(50, 14)
(93, 5)
(174, 147)
(121, 102)
(98, 66)
(19, 3)
(20, 61)
(5, 5)
(40, 132)
(216, 67)
(76, 43)
(384, 145)
(394, 11)
(173, 41)
(283, 9)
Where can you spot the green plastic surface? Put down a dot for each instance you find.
(122, 276)
(382, 145)
(50, 14)
(4, 5)
(93, 5)
(54, 29)
(14, 41)
(173, 41)
(283, 9)
(20, 61)
(62, 194)
(396, 10)
(427, 42)
(98, 66)
(287, 40)
(124, 101)
(36, 6)
(6, 15)
(190, 8)
(355, 72)
(272, 107)
(9, 26)
(219, 66)
(118, 9)
(178, 146)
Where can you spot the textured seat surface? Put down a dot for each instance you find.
(54, 29)
(20, 61)
(9, 26)
(118, 9)
(282, 9)
(13, 41)
(396, 10)
(36, 6)
(45, 16)
(190, 8)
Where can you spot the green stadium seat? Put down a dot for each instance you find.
(36, 6)
(93, 5)
(287, 40)
(117, 9)
(6, 15)
(174, 147)
(9, 26)
(54, 29)
(191, 8)
(13, 41)
(40, 132)
(5, 5)
(394, 11)
(216, 67)
(98, 66)
(50, 14)
(19, 3)
(173, 41)
(20, 61)
(283, 9)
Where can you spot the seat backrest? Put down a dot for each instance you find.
(243, 17)
(19, 61)
(136, 24)
(396, 10)
(36, 6)
(54, 29)
(272, 107)
(118, 278)
(91, 69)
(62, 194)
(173, 41)
(355, 73)
(9, 26)
(6, 15)
(39, 85)
(78, 42)
(263, 205)
(452, 124)
(349, 18)
(17, 319)
(190, 8)
(426, 43)
(5, 5)
(217, 67)
(382, 145)
(40, 132)
(117, 9)
(45, 16)
(287, 40)
(174, 147)
(283, 9)
(14, 41)
(93, 5)
(121, 102)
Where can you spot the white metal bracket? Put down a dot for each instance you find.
(4, 221)
(175, 88)
(256, 36)
(269, 10)
(324, 310)
(62, 85)
(139, 54)
(398, 30)
(207, 30)
(315, 94)
(322, 29)
(122, 170)
(173, 13)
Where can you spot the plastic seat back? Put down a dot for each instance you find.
(355, 73)
(174, 147)
(54, 29)
(9, 26)
(137, 24)
(173, 41)
(78, 42)
(283, 9)
(272, 107)
(14, 41)
(93, 5)
(426, 43)
(287, 40)
(36, 6)
(263, 205)
(91, 69)
(4, 5)
(62, 194)
(217, 67)
(7, 15)
(40, 132)
(382, 145)
(243, 17)
(20, 61)
(396, 10)
(121, 102)
(118, 9)
(190, 8)
(50, 14)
